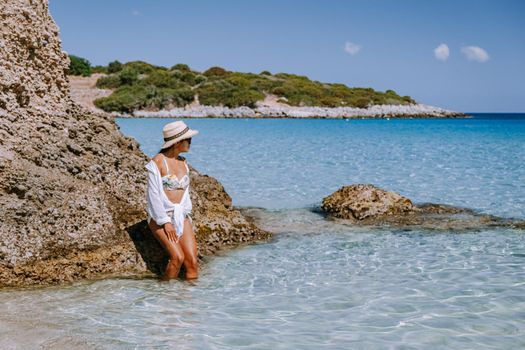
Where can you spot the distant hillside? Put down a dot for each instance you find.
(138, 85)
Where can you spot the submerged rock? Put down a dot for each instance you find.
(365, 204)
(72, 187)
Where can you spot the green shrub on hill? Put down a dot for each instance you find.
(215, 72)
(287, 76)
(229, 94)
(199, 79)
(124, 99)
(128, 76)
(162, 79)
(182, 67)
(177, 74)
(213, 93)
(182, 96)
(301, 91)
(108, 82)
(188, 78)
(141, 67)
(129, 98)
(114, 67)
(165, 98)
(408, 100)
(99, 69)
(251, 81)
(360, 102)
(79, 66)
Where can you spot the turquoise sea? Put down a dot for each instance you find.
(320, 284)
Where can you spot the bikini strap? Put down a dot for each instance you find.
(166, 164)
(187, 168)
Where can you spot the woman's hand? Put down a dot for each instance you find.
(171, 233)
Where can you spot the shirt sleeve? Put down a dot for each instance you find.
(153, 197)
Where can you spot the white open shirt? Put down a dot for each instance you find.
(158, 204)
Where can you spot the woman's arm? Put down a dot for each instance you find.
(153, 197)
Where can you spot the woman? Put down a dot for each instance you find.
(168, 201)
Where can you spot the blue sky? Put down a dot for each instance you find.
(463, 55)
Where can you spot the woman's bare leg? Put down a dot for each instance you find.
(173, 249)
(189, 247)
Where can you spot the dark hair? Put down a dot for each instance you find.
(162, 150)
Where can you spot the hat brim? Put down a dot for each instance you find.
(186, 135)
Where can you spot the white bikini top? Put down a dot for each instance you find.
(172, 182)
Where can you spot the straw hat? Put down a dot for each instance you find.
(175, 132)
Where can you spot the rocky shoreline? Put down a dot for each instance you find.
(261, 111)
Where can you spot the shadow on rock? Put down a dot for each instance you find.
(150, 250)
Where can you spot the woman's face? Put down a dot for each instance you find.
(184, 145)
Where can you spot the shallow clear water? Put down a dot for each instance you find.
(320, 283)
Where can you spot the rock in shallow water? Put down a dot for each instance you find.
(366, 204)
(365, 201)
(72, 187)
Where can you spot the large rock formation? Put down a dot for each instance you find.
(366, 204)
(72, 187)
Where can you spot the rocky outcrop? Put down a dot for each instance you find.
(365, 201)
(72, 187)
(376, 111)
(31, 61)
(365, 204)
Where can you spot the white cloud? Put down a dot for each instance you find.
(352, 48)
(135, 13)
(475, 53)
(442, 52)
